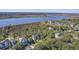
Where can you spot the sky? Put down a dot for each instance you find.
(42, 10)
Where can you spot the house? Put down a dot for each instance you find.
(24, 42)
(50, 28)
(12, 40)
(76, 27)
(71, 25)
(69, 30)
(69, 43)
(34, 37)
(5, 44)
(58, 34)
(75, 36)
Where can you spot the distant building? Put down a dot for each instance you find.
(58, 35)
(76, 27)
(69, 43)
(50, 28)
(50, 22)
(34, 38)
(75, 37)
(71, 25)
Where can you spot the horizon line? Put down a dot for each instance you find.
(41, 10)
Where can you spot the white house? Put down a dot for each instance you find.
(58, 35)
(50, 28)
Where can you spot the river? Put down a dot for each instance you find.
(17, 21)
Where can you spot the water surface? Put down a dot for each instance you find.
(17, 21)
